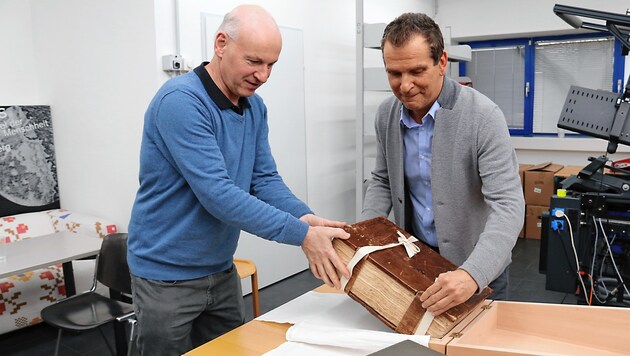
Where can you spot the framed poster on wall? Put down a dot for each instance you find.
(28, 181)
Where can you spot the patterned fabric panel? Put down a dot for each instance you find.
(63, 220)
(24, 226)
(23, 296)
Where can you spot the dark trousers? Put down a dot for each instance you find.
(501, 285)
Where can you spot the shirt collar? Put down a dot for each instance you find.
(217, 95)
(406, 120)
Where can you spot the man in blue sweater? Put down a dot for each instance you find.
(206, 172)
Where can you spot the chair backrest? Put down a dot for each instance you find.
(112, 269)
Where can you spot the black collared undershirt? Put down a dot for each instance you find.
(217, 95)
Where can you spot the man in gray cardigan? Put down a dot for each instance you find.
(446, 166)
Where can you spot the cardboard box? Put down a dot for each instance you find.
(516, 328)
(522, 167)
(565, 173)
(388, 283)
(533, 222)
(539, 183)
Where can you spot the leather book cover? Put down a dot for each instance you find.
(387, 280)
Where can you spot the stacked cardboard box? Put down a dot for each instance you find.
(538, 187)
(540, 182)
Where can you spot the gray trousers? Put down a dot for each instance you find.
(501, 285)
(177, 316)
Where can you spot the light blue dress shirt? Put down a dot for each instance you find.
(417, 140)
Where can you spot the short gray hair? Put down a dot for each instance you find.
(230, 25)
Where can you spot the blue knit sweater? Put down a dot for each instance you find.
(205, 174)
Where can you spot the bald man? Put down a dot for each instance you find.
(206, 173)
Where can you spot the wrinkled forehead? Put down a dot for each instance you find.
(261, 46)
(415, 47)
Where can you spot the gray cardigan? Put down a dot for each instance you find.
(477, 195)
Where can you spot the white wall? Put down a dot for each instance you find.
(98, 64)
(87, 60)
(19, 83)
(490, 19)
(495, 19)
(378, 11)
(94, 63)
(95, 67)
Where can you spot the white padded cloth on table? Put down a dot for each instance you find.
(316, 339)
(331, 309)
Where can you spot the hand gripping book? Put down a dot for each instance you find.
(388, 283)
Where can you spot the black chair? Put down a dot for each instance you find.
(90, 309)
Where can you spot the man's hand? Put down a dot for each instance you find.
(450, 289)
(314, 220)
(322, 258)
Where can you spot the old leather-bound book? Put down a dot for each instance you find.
(389, 283)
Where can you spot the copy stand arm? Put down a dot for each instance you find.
(619, 26)
(596, 165)
(623, 111)
(592, 179)
(621, 35)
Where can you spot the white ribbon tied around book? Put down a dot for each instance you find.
(411, 248)
(408, 242)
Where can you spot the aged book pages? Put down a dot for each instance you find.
(389, 283)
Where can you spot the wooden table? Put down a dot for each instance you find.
(252, 339)
(257, 337)
(43, 251)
